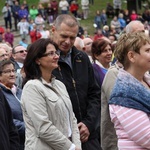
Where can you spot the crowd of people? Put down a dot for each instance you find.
(68, 90)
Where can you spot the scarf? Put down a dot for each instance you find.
(129, 92)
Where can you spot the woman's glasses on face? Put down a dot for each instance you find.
(51, 54)
(9, 71)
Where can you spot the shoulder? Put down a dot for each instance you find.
(32, 83)
(78, 53)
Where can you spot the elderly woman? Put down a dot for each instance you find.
(130, 99)
(13, 95)
(50, 122)
(102, 55)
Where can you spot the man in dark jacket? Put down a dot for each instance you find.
(15, 9)
(9, 139)
(76, 72)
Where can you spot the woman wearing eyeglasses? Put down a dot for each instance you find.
(13, 95)
(48, 115)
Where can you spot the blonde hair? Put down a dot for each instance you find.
(129, 42)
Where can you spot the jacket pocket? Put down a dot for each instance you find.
(53, 98)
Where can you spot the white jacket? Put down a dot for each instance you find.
(44, 109)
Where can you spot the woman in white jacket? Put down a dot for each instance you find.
(48, 115)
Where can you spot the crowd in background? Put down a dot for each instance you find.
(98, 59)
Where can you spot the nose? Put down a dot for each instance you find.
(12, 73)
(68, 41)
(56, 56)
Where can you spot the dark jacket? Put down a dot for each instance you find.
(9, 139)
(82, 89)
(15, 10)
(16, 110)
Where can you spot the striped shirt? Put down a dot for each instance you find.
(132, 127)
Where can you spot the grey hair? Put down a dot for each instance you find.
(69, 20)
(132, 25)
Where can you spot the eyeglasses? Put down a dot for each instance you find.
(9, 71)
(21, 51)
(51, 54)
(3, 55)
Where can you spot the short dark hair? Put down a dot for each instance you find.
(98, 46)
(35, 51)
(13, 49)
(4, 63)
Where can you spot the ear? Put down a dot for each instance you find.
(53, 29)
(14, 56)
(131, 56)
(38, 61)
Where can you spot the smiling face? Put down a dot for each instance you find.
(64, 37)
(19, 54)
(105, 57)
(8, 77)
(49, 61)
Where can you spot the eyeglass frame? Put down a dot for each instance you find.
(8, 71)
(51, 54)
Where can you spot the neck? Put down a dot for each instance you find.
(105, 65)
(136, 73)
(47, 76)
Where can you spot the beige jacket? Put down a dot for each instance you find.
(108, 133)
(46, 110)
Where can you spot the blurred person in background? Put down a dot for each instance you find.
(102, 55)
(9, 37)
(13, 95)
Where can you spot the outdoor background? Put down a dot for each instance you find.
(86, 24)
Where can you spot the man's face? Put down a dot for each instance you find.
(3, 54)
(65, 36)
(20, 54)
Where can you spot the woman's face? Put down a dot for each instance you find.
(49, 61)
(8, 75)
(142, 60)
(105, 57)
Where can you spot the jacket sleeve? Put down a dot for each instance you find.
(33, 100)
(20, 126)
(13, 133)
(108, 133)
(92, 119)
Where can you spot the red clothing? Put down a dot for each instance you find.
(35, 35)
(133, 17)
(98, 36)
(2, 30)
(73, 7)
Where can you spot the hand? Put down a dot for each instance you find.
(77, 149)
(84, 132)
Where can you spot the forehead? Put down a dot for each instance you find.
(19, 48)
(50, 47)
(67, 30)
(8, 66)
(2, 51)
